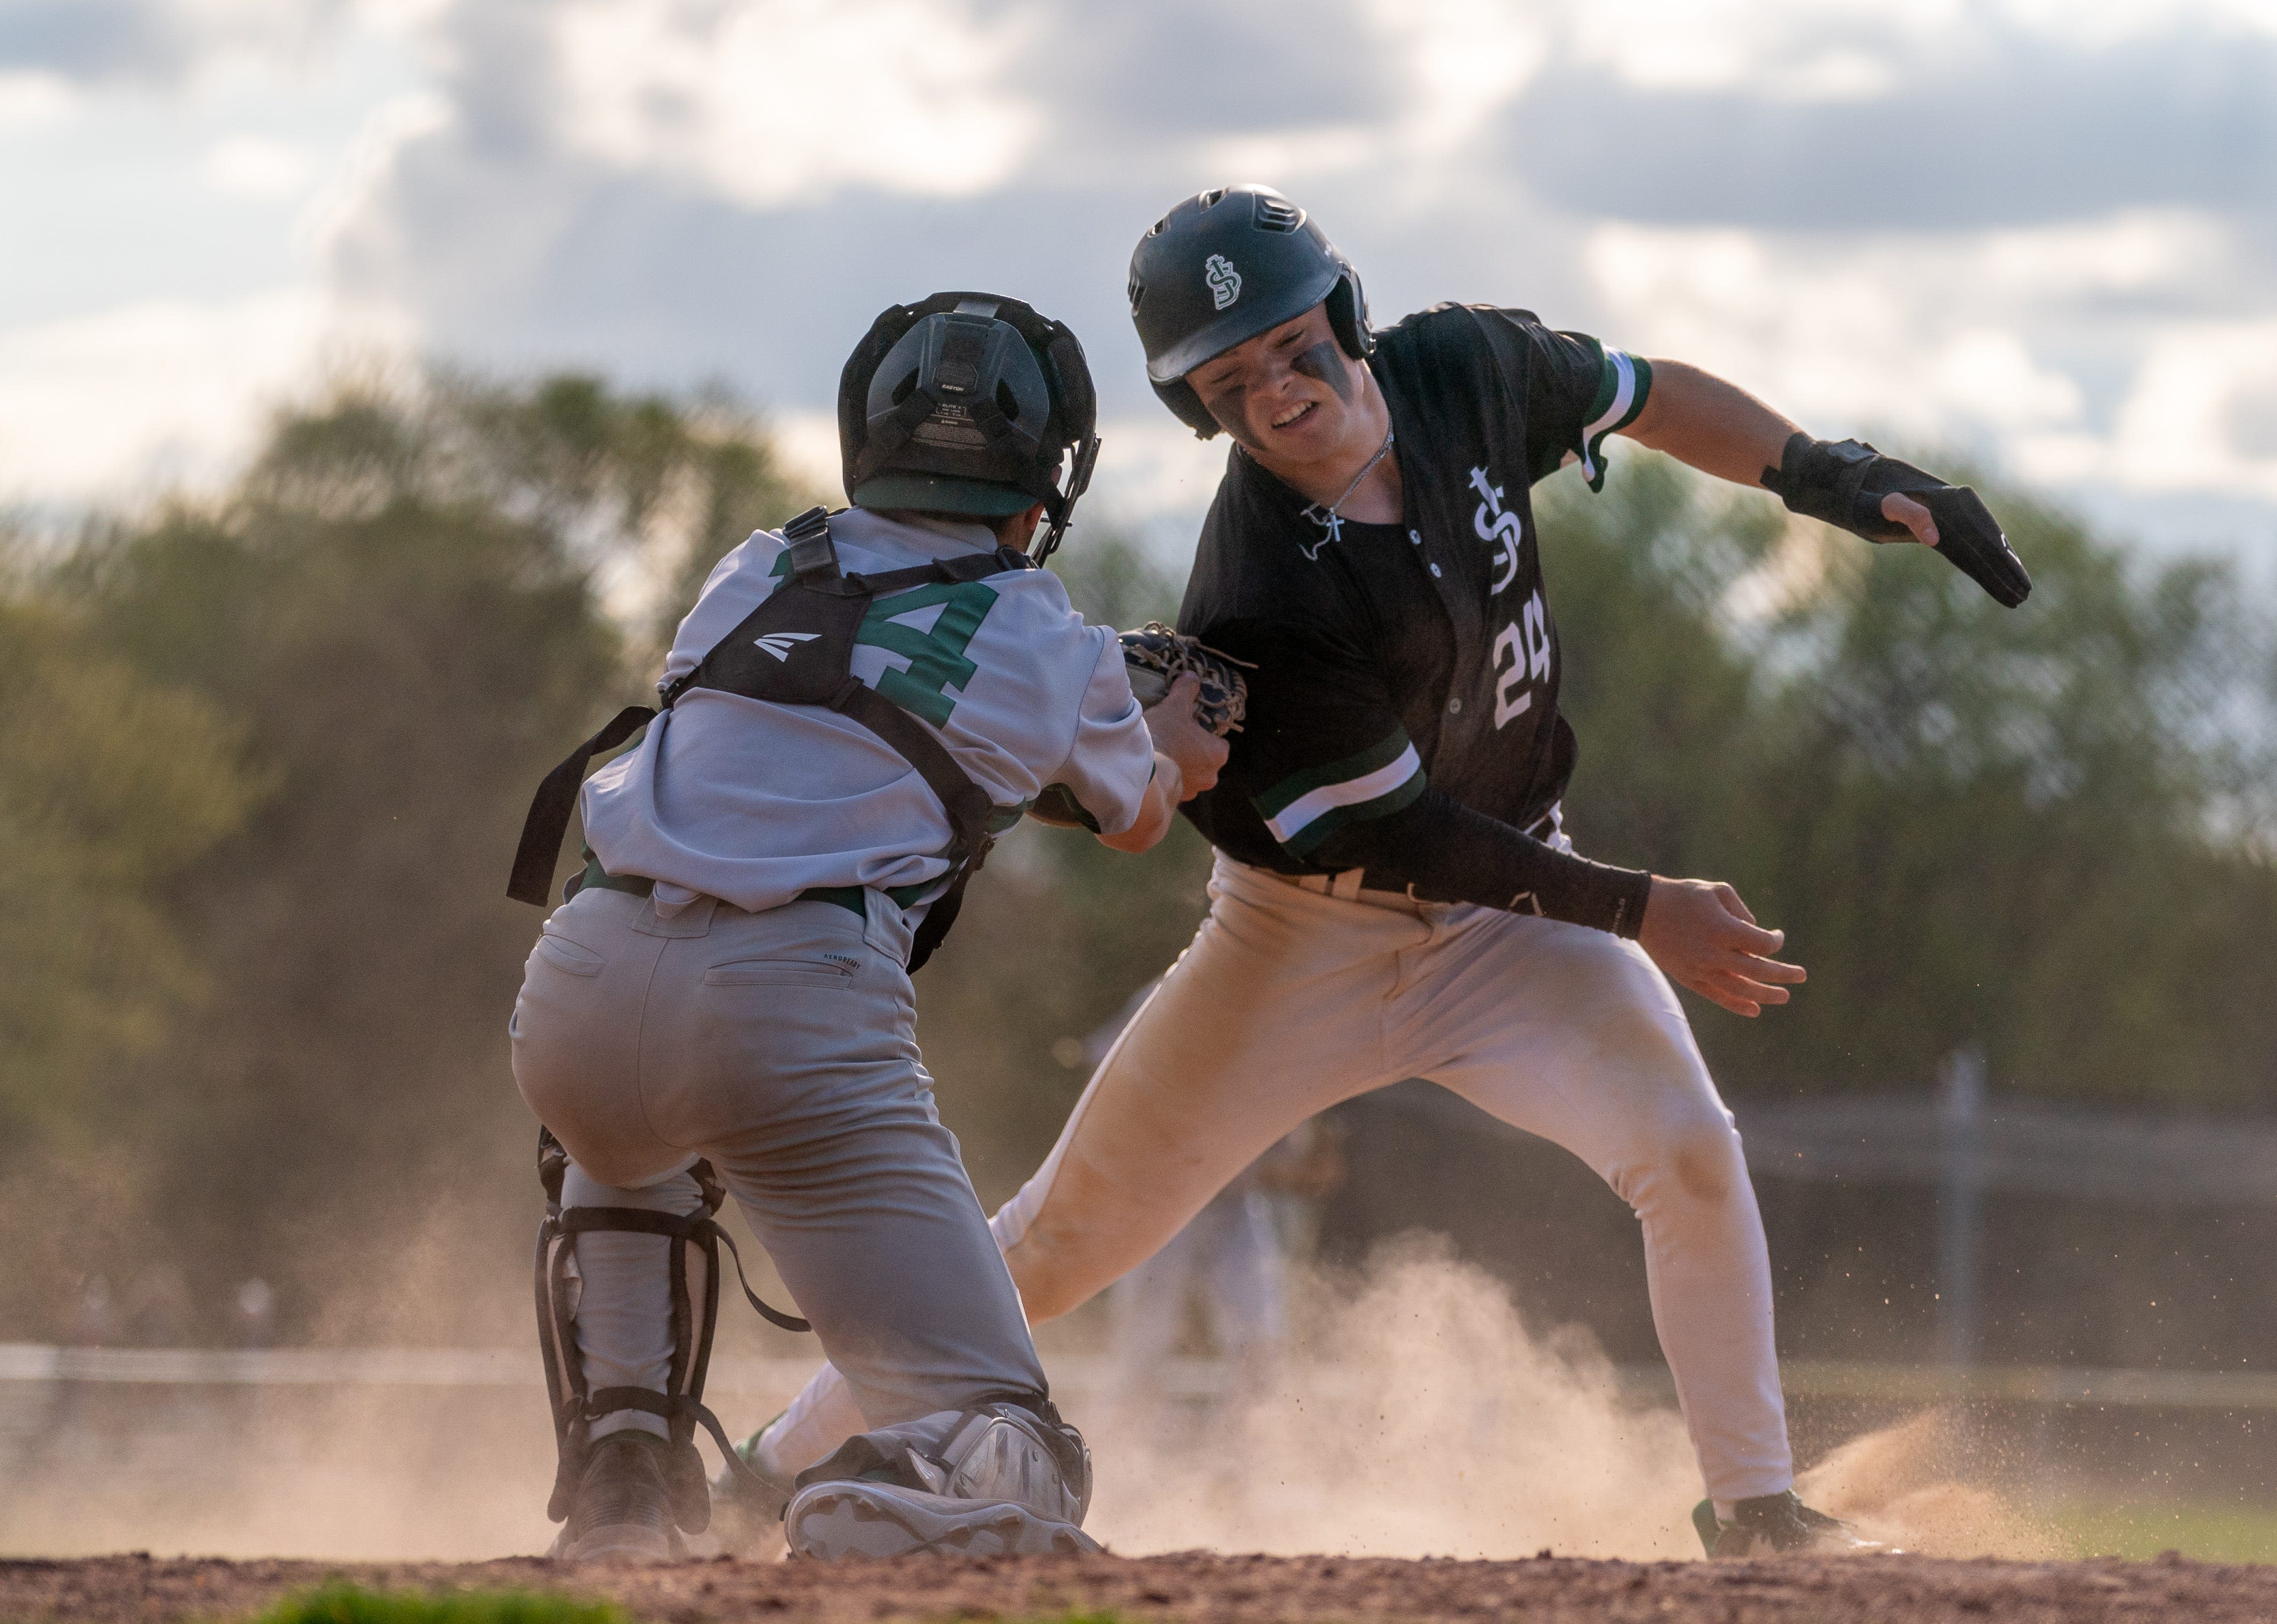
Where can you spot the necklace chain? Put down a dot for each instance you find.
(1327, 517)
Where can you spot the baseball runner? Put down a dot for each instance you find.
(1394, 894)
(850, 711)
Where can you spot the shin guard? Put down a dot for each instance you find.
(693, 1265)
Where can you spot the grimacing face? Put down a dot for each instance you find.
(1288, 394)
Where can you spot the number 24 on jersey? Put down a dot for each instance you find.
(1526, 643)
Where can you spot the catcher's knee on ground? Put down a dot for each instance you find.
(1008, 1477)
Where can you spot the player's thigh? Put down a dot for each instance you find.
(576, 1058)
(782, 1046)
(1251, 1032)
(1575, 1035)
(868, 1214)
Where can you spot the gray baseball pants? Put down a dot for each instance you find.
(781, 1046)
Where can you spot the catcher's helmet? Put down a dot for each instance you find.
(965, 403)
(1222, 267)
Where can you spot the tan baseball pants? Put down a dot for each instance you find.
(1290, 1000)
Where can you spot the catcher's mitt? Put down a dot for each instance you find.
(1156, 656)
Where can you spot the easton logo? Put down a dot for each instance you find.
(1224, 281)
(779, 643)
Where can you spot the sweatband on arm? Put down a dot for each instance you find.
(1445, 853)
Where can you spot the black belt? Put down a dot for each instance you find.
(847, 897)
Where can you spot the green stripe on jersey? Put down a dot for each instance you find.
(1622, 389)
(1303, 842)
(1305, 808)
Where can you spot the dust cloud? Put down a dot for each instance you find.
(1910, 1486)
(1420, 1417)
(1417, 1416)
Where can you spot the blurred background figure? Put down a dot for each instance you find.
(156, 1309)
(256, 1314)
(1231, 1263)
(95, 1323)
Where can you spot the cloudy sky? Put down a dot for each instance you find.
(2044, 232)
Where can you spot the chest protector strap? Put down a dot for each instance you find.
(797, 648)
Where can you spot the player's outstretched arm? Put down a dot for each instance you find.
(1187, 757)
(1702, 936)
(1720, 429)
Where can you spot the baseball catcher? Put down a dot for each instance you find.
(853, 710)
(1394, 894)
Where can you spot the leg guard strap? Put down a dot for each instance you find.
(693, 1271)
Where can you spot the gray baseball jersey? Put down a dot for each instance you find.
(755, 803)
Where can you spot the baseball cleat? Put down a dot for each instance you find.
(1777, 1525)
(831, 1521)
(623, 1508)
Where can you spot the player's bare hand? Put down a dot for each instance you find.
(1702, 937)
(1198, 752)
(1900, 508)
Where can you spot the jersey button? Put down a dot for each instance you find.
(1455, 705)
(1435, 572)
(1416, 537)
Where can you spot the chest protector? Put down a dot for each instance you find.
(797, 648)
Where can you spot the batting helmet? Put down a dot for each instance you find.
(967, 403)
(1222, 267)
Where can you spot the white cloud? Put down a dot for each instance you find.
(1775, 49)
(781, 101)
(154, 394)
(255, 166)
(34, 98)
(2180, 429)
(1466, 59)
(1932, 336)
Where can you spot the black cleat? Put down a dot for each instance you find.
(623, 1508)
(1777, 1525)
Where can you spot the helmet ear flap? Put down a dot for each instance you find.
(854, 384)
(1078, 406)
(1179, 396)
(1348, 315)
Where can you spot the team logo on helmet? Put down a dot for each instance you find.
(1224, 281)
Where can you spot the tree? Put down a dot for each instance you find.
(2043, 830)
(399, 609)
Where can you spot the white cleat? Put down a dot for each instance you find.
(830, 1521)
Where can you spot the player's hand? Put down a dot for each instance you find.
(1899, 508)
(1198, 752)
(1702, 937)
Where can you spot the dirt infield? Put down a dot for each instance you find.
(1197, 1589)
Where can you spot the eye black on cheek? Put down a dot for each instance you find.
(1231, 407)
(1325, 361)
(1227, 406)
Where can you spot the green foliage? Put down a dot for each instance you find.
(2034, 829)
(1112, 582)
(342, 1603)
(111, 783)
(264, 760)
(2203, 1530)
(398, 611)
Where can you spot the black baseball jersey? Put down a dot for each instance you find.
(1393, 656)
